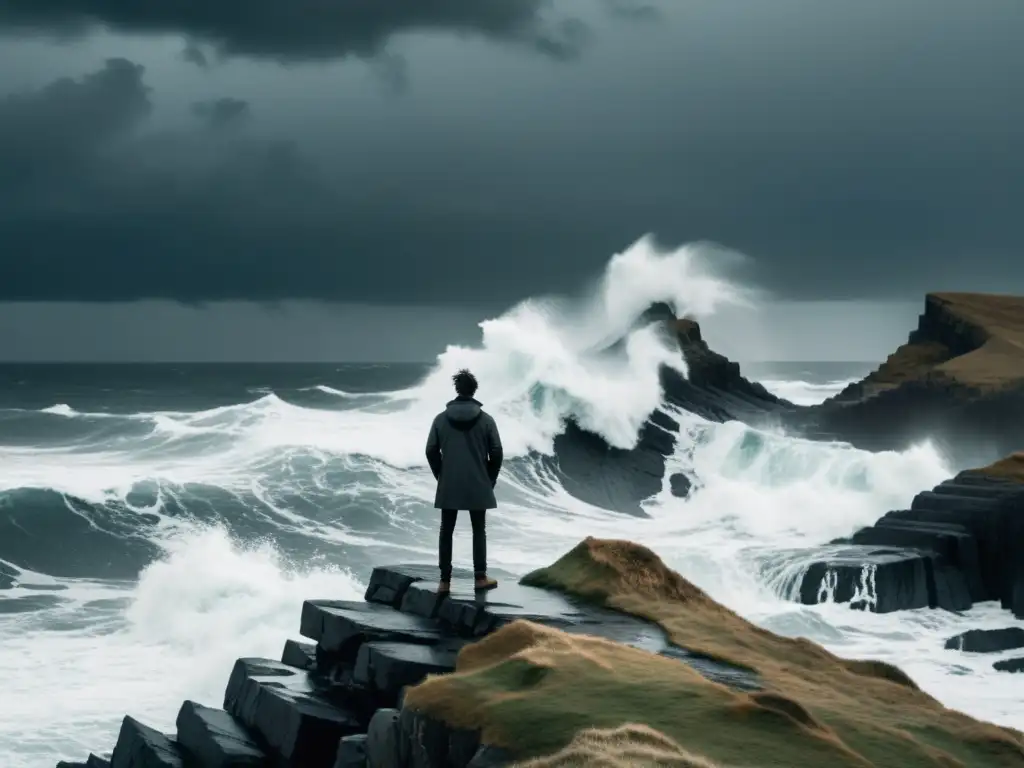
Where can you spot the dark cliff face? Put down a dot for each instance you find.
(714, 386)
(714, 389)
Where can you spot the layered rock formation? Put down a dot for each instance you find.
(606, 654)
(337, 704)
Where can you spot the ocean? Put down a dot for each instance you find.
(159, 521)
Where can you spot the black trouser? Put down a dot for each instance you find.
(448, 518)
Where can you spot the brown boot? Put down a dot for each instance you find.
(483, 583)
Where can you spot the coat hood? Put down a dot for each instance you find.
(463, 412)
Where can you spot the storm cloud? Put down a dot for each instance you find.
(857, 151)
(299, 29)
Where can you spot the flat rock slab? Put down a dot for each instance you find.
(282, 705)
(139, 746)
(339, 626)
(413, 589)
(987, 640)
(216, 739)
(1010, 665)
(298, 654)
(390, 666)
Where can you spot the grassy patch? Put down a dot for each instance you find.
(1009, 468)
(539, 691)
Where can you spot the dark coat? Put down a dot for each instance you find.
(464, 453)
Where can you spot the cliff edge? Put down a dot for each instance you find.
(973, 340)
(958, 382)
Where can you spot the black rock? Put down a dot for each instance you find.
(1010, 665)
(463, 746)
(92, 761)
(992, 513)
(383, 741)
(216, 739)
(426, 741)
(388, 583)
(951, 541)
(388, 667)
(987, 640)
(491, 757)
(299, 654)
(289, 713)
(679, 485)
(351, 752)
(341, 627)
(870, 578)
(139, 746)
(1017, 593)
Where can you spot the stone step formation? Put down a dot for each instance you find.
(337, 702)
(959, 544)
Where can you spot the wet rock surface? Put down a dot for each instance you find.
(960, 543)
(139, 746)
(338, 704)
(1010, 665)
(987, 640)
(679, 485)
(714, 388)
(215, 738)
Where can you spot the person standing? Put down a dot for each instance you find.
(464, 454)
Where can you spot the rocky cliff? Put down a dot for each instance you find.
(606, 657)
(958, 381)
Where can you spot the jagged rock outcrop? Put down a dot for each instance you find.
(960, 543)
(714, 388)
(338, 703)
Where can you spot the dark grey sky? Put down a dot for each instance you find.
(467, 153)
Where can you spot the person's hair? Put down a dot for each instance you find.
(465, 383)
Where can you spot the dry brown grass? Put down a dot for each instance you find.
(633, 745)
(534, 689)
(994, 322)
(1009, 468)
